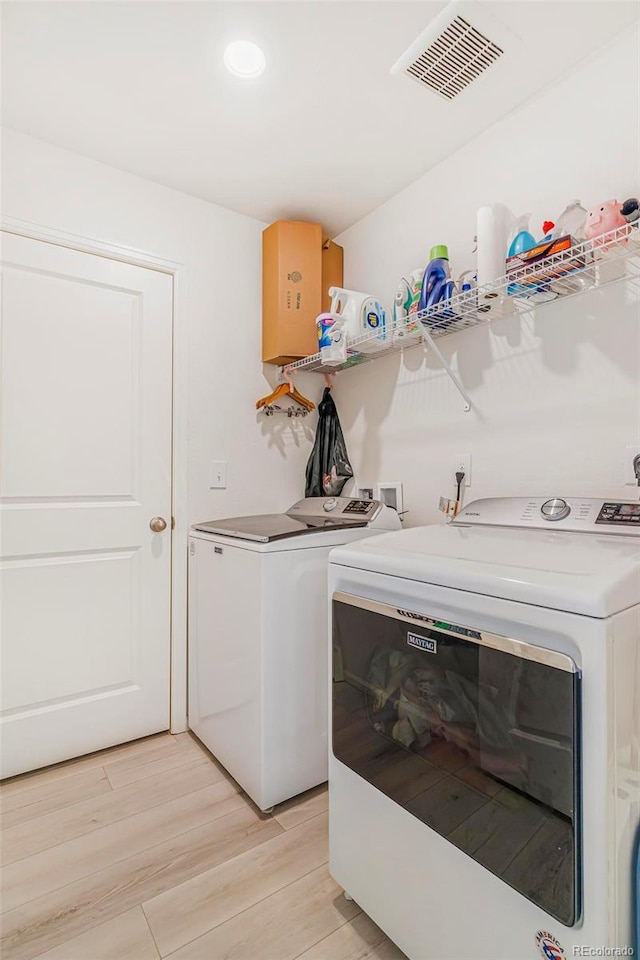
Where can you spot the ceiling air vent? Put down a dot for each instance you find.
(459, 55)
(457, 48)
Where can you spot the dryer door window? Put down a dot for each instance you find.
(474, 734)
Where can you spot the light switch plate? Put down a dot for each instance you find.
(217, 474)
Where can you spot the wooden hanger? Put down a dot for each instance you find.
(280, 391)
(283, 390)
(301, 399)
(295, 393)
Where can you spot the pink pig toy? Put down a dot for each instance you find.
(603, 218)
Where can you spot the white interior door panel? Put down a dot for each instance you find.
(85, 464)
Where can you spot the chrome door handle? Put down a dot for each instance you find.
(158, 524)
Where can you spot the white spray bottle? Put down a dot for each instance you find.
(402, 302)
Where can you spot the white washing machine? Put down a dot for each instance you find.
(484, 773)
(258, 639)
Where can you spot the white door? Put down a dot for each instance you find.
(85, 448)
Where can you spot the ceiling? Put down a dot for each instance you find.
(327, 133)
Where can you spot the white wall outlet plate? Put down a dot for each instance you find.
(217, 474)
(630, 452)
(463, 462)
(390, 492)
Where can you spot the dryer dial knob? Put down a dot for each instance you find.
(330, 504)
(555, 509)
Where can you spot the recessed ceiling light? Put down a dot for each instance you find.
(244, 59)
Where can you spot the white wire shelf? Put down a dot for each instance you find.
(586, 266)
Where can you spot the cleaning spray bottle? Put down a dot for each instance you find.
(401, 303)
(405, 305)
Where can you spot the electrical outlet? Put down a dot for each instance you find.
(365, 493)
(217, 474)
(463, 462)
(630, 452)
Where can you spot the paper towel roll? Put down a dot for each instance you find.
(493, 226)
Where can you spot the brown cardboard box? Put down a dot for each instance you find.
(332, 271)
(297, 271)
(291, 289)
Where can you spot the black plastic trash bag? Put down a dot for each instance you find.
(328, 468)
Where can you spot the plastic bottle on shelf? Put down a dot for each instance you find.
(571, 221)
(521, 238)
(361, 314)
(406, 304)
(332, 340)
(415, 278)
(467, 302)
(437, 287)
(437, 284)
(466, 281)
(401, 302)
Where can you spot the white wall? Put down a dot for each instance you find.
(556, 395)
(219, 310)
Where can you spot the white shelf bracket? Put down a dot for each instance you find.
(428, 339)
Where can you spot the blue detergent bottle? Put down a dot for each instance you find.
(437, 285)
(521, 238)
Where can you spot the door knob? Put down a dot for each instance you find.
(158, 524)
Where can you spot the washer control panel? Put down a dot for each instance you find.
(614, 512)
(359, 507)
(555, 509)
(346, 508)
(579, 514)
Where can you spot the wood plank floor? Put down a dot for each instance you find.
(151, 850)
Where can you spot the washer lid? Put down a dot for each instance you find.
(579, 573)
(276, 526)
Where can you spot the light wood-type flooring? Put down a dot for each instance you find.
(151, 850)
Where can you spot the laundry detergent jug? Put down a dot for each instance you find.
(437, 287)
(361, 314)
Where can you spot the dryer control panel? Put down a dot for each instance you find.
(580, 514)
(615, 512)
